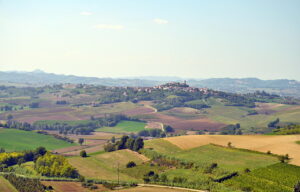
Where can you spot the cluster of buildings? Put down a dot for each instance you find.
(173, 86)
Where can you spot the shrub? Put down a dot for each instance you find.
(130, 164)
(83, 153)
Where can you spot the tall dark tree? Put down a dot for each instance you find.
(80, 141)
(138, 144)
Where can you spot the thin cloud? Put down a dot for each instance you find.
(160, 21)
(86, 13)
(107, 26)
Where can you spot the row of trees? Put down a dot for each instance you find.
(65, 127)
(9, 159)
(151, 133)
(125, 142)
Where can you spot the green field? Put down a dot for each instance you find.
(162, 146)
(124, 127)
(227, 158)
(17, 140)
(5, 186)
(280, 177)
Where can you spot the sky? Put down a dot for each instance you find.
(125, 38)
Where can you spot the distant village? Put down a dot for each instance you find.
(173, 86)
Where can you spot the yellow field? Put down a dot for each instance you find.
(281, 144)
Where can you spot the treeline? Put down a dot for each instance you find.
(71, 127)
(274, 123)
(287, 130)
(57, 136)
(55, 166)
(151, 133)
(126, 142)
(23, 184)
(46, 164)
(231, 130)
(13, 158)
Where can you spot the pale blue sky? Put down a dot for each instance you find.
(120, 38)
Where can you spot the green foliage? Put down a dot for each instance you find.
(279, 177)
(34, 105)
(80, 141)
(125, 142)
(152, 133)
(273, 124)
(130, 164)
(55, 166)
(23, 184)
(231, 130)
(83, 153)
(287, 130)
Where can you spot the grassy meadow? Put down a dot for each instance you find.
(18, 140)
(104, 165)
(124, 127)
(227, 158)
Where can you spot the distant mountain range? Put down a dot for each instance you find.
(282, 87)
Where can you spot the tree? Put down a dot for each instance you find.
(229, 144)
(9, 117)
(34, 105)
(109, 147)
(282, 158)
(130, 164)
(40, 151)
(80, 141)
(83, 153)
(113, 139)
(168, 129)
(138, 144)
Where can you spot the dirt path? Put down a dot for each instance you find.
(170, 187)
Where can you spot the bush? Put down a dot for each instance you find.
(130, 164)
(83, 153)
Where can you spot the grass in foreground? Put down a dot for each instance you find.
(18, 140)
(280, 177)
(124, 127)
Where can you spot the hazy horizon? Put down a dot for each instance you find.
(121, 39)
(148, 77)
